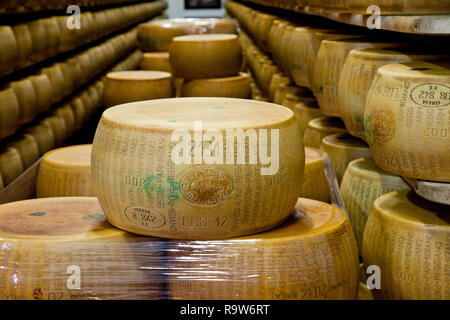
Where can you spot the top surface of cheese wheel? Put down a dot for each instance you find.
(54, 218)
(344, 140)
(220, 113)
(205, 37)
(73, 156)
(138, 75)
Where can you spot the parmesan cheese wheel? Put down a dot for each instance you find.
(44, 136)
(157, 61)
(52, 32)
(68, 116)
(43, 90)
(58, 128)
(268, 70)
(27, 147)
(40, 40)
(277, 80)
(9, 112)
(305, 111)
(362, 184)
(231, 87)
(65, 172)
(11, 165)
(222, 26)
(128, 86)
(408, 238)
(357, 75)
(291, 99)
(56, 78)
(8, 49)
(26, 99)
(312, 256)
(46, 243)
(404, 7)
(315, 185)
(87, 104)
(192, 198)
(342, 148)
(328, 65)
(77, 72)
(68, 76)
(285, 89)
(321, 127)
(157, 35)
(205, 56)
(406, 120)
(79, 111)
(24, 43)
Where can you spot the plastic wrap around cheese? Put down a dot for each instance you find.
(362, 184)
(227, 87)
(64, 249)
(312, 256)
(149, 182)
(406, 120)
(65, 172)
(321, 127)
(408, 238)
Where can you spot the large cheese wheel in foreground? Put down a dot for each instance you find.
(228, 87)
(46, 243)
(156, 61)
(205, 56)
(357, 75)
(128, 86)
(321, 127)
(315, 185)
(65, 172)
(150, 185)
(408, 238)
(312, 256)
(343, 148)
(406, 120)
(362, 184)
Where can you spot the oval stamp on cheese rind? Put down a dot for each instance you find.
(382, 122)
(431, 95)
(206, 185)
(144, 217)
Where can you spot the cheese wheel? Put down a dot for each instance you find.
(284, 89)
(77, 72)
(277, 80)
(329, 62)
(305, 111)
(205, 56)
(44, 136)
(8, 49)
(27, 147)
(364, 293)
(44, 92)
(404, 7)
(277, 41)
(357, 75)
(315, 185)
(199, 199)
(11, 165)
(52, 32)
(65, 172)
(128, 86)
(9, 112)
(291, 99)
(157, 35)
(46, 243)
(58, 128)
(68, 76)
(79, 111)
(40, 40)
(321, 127)
(26, 99)
(68, 116)
(24, 43)
(94, 97)
(362, 184)
(268, 70)
(407, 127)
(312, 256)
(222, 26)
(56, 78)
(157, 61)
(342, 148)
(231, 87)
(408, 238)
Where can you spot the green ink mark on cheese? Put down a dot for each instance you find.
(319, 90)
(38, 214)
(358, 117)
(97, 216)
(218, 107)
(171, 120)
(162, 188)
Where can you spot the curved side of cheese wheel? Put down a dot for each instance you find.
(158, 35)
(321, 127)
(79, 111)
(43, 90)
(44, 136)
(68, 116)
(413, 144)
(312, 256)
(8, 49)
(27, 147)
(204, 193)
(362, 184)
(364, 293)
(40, 239)
(408, 238)
(285, 89)
(305, 111)
(39, 38)
(24, 43)
(9, 112)
(343, 148)
(52, 32)
(205, 56)
(56, 78)
(11, 165)
(26, 98)
(231, 87)
(156, 61)
(58, 128)
(315, 185)
(275, 82)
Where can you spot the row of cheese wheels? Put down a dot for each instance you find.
(361, 6)
(21, 6)
(30, 42)
(24, 99)
(341, 69)
(50, 130)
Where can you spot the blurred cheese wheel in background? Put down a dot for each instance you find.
(24, 43)
(291, 99)
(8, 49)
(52, 32)
(79, 111)
(407, 237)
(87, 104)
(285, 89)
(9, 112)
(43, 134)
(44, 92)
(231, 87)
(321, 127)
(306, 110)
(364, 292)
(342, 148)
(26, 97)
(156, 61)
(11, 165)
(268, 70)
(277, 80)
(400, 7)
(27, 147)
(205, 56)
(157, 35)
(58, 127)
(40, 40)
(357, 75)
(128, 86)
(65, 172)
(76, 69)
(362, 184)
(312, 256)
(42, 238)
(406, 120)
(68, 76)
(222, 26)
(68, 116)
(208, 191)
(56, 78)
(315, 185)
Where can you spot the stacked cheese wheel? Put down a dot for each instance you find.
(64, 249)
(315, 185)
(321, 127)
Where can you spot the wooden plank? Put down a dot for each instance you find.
(434, 191)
